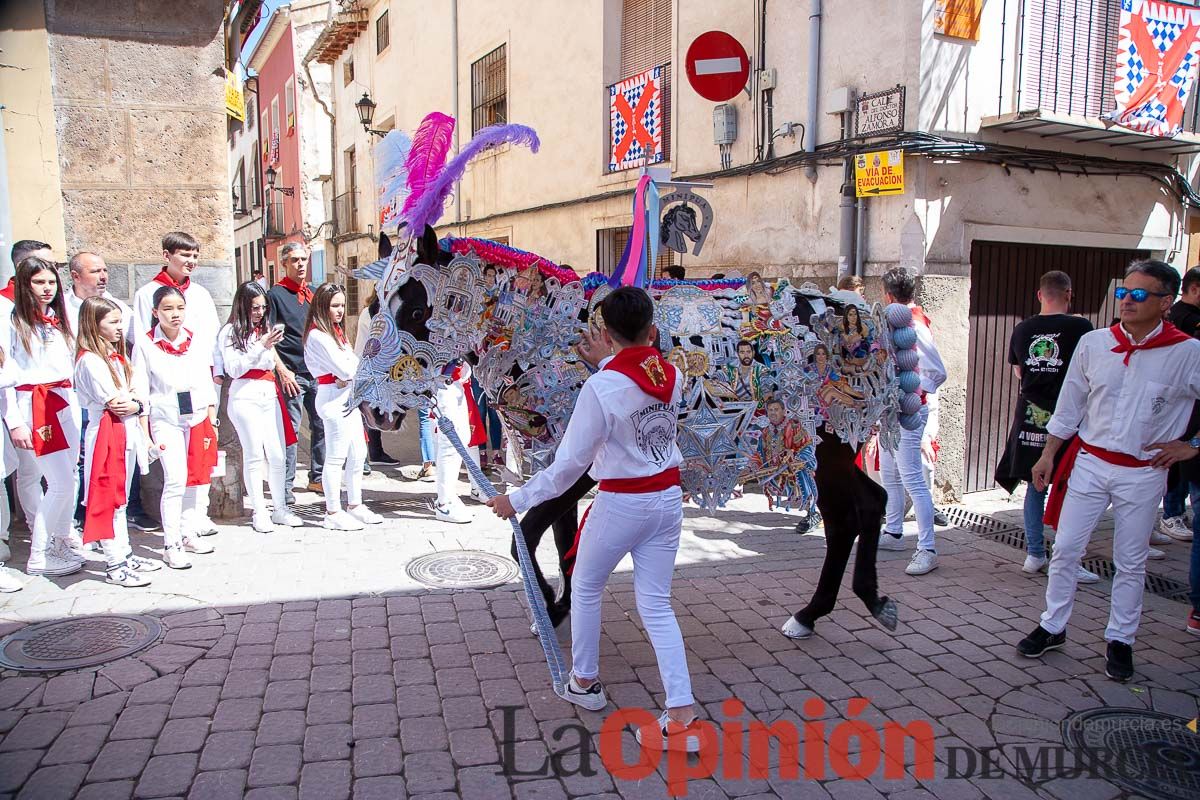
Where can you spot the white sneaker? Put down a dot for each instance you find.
(591, 698)
(889, 542)
(686, 739)
(365, 515)
(262, 523)
(176, 558)
(198, 546)
(206, 527)
(477, 495)
(1176, 528)
(66, 550)
(9, 582)
(342, 521)
(794, 629)
(123, 576)
(1158, 537)
(1155, 554)
(139, 564)
(923, 561)
(287, 519)
(1035, 564)
(52, 566)
(1086, 576)
(451, 512)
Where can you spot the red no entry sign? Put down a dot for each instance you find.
(717, 66)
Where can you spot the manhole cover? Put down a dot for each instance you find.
(1147, 753)
(73, 643)
(462, 569)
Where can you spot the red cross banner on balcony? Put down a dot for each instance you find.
(636, 120)
(1157, 56)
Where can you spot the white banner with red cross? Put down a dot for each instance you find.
(636, 120)
(1157, 54)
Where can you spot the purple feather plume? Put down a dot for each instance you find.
(427, 209)
(427, 157)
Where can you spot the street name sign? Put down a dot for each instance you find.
(880, 113)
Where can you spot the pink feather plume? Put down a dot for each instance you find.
(427, 157)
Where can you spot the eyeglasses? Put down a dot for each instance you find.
(1137, 295)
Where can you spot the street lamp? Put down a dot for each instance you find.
(272, 174)
(366, 113)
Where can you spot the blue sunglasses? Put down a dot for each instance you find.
(1137, 295)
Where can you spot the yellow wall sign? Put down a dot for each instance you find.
(235, 103)
(878, 173)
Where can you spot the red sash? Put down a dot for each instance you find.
(326, 380)
(202, 453)
(166, 280)
(1166, 337)
(303, 292)
(106, 481)
(10, 292)
(650, 483)
(1058, 489)
(289, 433)
(48, 436)
(478, 434)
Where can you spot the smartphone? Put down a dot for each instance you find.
(278, 327)
(185, 402)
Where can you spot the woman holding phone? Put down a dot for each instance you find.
(247, 349)
(180, 422)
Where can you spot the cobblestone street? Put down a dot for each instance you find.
(331, 674)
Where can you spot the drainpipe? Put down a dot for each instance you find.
(847, 263)
(814, 84)
(860, 233)
(454, 100)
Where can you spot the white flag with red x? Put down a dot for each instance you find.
(1157, 55)
(636, 120)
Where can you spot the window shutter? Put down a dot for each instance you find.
(1069, 51)
(646, 43)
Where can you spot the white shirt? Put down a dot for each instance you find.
(325, 356)
(75, 302)
(1125, 408)
(616, 428)
(94, 387)
(237, 363)
(49, 359)
(930, 366)
(161, 376)
(200, 317)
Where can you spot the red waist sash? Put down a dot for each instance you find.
(201, 453)
(326, 380)
(651, 483)
(48, 436)
(289, 433)
(106, 481)
(1058, 489)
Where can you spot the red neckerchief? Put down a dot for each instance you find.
(303, 291)
(47, 319)
(920, 316)
(338, 333)
(10, 291)
(646, 367)
(166, 280)
(169, 348)
(1166, 337)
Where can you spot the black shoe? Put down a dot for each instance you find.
(940, 519)
(366, 468)
(1037, 643)
(559, 613)
(143, 522)
(382, 459)
(886, 613)
(1119, 666)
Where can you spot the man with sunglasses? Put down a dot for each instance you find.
(1126, 400)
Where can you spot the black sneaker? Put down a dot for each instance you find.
(382, 459)
(1037, 643)
(143, 522)
(366, 468)
(1119, 665)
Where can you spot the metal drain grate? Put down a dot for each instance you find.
(462, 569)
(980, 523)
(1155, 584)
(1147, 753)
(74, 643)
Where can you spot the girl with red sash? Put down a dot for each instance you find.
(333, 363)
(45, 420)
(113, 439)
(247, 350)
(181, 422)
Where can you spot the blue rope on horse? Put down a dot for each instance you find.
(537, 603)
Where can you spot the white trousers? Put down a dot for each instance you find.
(647, 526)
(61, 471)
(1134, 493)
(184, 508)
(451, 404)
(345, 447)
(902, 471)
(28, 483)
(251, 408)
(117, 549)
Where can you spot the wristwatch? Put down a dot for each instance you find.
(1194, 442)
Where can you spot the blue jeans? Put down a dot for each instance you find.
(425, 429)
(1174, 499)
(1191, 490)
(1035, 510)
(902, 472)
(491, 420)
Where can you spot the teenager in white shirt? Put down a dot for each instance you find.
(247, 345)
(332, 362)
(624, 426)
(45, 417)
(171, 369)
(113, 441)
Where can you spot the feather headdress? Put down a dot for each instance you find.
(425, 208)
(426, 158)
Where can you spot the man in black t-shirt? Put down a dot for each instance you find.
(1185, 315)
(1040, 351)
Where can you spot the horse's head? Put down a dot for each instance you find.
(410, 308)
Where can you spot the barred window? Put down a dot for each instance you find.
(489, 90)
(348, 71)
(383, 34)
(610, 244)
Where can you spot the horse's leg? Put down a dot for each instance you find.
(839, 540)
(562, 513)
(870, 522)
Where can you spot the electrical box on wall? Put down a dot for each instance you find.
(724, 124)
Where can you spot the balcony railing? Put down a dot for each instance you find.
(345, 214)
(274, 220)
